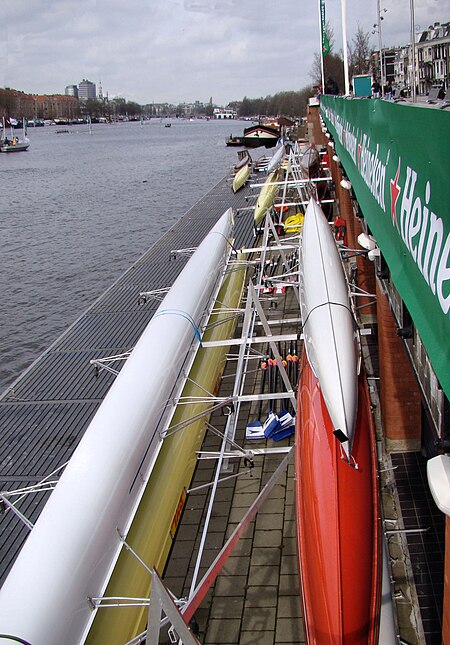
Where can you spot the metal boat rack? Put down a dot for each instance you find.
(179, 612)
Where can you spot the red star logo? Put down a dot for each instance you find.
(395, 192)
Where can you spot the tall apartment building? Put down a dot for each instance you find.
(86, 90)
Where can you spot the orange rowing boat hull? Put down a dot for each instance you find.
(338, 522)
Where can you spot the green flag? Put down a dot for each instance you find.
(325, 41)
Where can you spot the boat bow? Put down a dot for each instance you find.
(328, 323)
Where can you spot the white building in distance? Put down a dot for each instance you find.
(224, 113)
(86, 90)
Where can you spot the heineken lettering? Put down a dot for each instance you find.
(395, 156)
(423, 232)
(372, 170)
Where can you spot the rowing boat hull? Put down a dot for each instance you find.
(155, 523)
(338, 529)
(266, 197)
(328, 323)
(260, 135)
(72, 550)
(18, 147)
(241, 177)
(277, 158)
(310, 162)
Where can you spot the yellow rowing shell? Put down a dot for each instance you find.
(241, 177)
(155, 523)
(266, 197)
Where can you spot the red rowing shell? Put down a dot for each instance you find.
(338, 523)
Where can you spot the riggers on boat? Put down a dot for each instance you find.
(71, 552)
(156, 520)
(328, 323)
(241, 177)
(338, 522)
(266, 197)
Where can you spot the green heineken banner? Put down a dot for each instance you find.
(396, 157)
(325, 42)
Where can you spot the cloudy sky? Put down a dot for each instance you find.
(184, 50)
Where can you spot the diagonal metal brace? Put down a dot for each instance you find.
(210, 576)
(160, 600)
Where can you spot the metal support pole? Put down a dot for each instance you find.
(380, 47)
(344, 45)
(413, 53)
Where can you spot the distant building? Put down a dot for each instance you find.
(32, 106)
(56, 106)
(71, 90)
(86, 90)
(160, 109)
(402, 67)
(433, 58)
(188, 109)
(389, 55)
(224, 113)
(16, 104)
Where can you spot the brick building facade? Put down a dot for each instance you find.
(18, 104)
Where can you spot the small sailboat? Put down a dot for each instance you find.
(14, 143)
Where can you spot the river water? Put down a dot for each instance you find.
(77, 209)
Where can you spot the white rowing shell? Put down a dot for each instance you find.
(277, 158)
(70, 553)
(328, 323)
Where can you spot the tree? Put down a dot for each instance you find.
(132, 108)
(360, 55)
(290, 104)
(329, 32)
(209, 109)
(118, 105)
(333, 64)
(94, 107)
(333, 67)
(246, 107)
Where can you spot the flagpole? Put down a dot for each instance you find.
(319, 4)
(344, 45)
